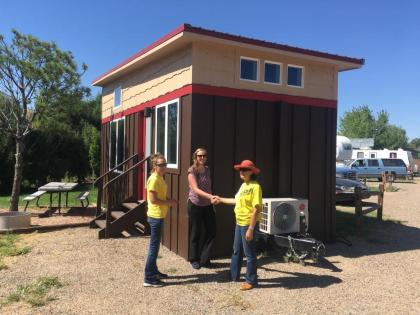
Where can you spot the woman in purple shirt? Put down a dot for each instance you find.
(202, 219)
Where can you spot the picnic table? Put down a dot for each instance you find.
(58, 187)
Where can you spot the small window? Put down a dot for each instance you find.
(360, 155)
(117, 96)
(295, 76)
(249, 69)
(167, 132)
(272, 72)
(373, 163)
(393, 155)
(117, 143)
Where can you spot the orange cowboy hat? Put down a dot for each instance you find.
(247, 164)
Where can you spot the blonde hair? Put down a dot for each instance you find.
(154, 160)
(194, 157)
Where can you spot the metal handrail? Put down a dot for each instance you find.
(115, 167)
(126, 171)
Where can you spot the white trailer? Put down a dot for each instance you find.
(384, 154)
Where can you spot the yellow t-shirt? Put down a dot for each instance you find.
(248, 196)
(157, 184)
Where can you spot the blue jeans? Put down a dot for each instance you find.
(156, 227)
(240, 247)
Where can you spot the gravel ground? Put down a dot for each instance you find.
(379, 274)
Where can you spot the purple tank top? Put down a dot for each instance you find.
(204, 183)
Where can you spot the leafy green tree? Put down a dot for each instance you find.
(360, 122)
(415, 143)
(32, 72)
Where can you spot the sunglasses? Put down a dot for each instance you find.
(162, 164)
(244, 170)
(201, 155)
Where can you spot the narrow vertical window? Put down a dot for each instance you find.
(116, 142)
(117, 96)
(167, 131)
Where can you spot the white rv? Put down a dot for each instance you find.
(386, 154)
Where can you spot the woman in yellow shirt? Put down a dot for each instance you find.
(157, 207)
(248, 202)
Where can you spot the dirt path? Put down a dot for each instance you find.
(377, 275)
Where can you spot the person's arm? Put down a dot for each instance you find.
(155, 200)
(228, 201)
(193, 184)
(250, 232)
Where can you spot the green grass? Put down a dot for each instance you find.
(8, 247)
(45, 199)
(34, 293)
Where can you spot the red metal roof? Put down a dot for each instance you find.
(236, 38)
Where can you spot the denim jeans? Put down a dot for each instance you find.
(240, 247)
(156, 227)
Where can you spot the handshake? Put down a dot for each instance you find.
(215, 200)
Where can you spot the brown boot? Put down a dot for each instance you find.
(245, 286)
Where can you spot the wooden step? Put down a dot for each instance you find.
(130, 205)
(140, 227)
(117, 214)
(101, 223)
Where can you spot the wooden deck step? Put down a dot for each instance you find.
(101, 223)
(130, 205)
(117, 214)
(140, 227)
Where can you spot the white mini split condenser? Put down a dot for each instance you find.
(281, 215)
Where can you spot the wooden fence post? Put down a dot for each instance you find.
(358, 205)
(380, 202)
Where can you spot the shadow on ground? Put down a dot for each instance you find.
(377, 237)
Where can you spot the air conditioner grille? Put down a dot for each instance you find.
(284, 216)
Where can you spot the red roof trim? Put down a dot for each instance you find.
(226, 92)
(236, 38)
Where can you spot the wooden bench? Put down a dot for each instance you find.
(83, 196)
(33, 196)
(363, 207)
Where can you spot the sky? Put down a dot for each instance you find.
(385, 33)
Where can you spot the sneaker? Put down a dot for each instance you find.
(246, 286)
(161, 276)
(196, 265)
(155, 283)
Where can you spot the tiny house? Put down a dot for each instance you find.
(241, 98)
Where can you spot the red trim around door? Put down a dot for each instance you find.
(226, 92)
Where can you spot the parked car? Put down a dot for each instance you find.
(345, 190)
(345, 172)
(373, 168)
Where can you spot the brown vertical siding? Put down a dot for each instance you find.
(294, 146)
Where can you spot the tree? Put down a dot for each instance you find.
(361, 123)
(32, 72)
(415, 144)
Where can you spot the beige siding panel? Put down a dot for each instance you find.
(218, 65)
(152, 81)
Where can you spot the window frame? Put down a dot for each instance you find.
(280, 71)
(258, 69)
(116, 143)
(115, 93)
(301, 79)
(166, 105)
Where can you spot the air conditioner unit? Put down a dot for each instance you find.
(281, 215)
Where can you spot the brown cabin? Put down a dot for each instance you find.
(240, 98)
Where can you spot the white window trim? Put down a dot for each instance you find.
(274, 63)
(118, 87)
(166, 130)
(258, 69)
(116, 144)
(302, 79)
